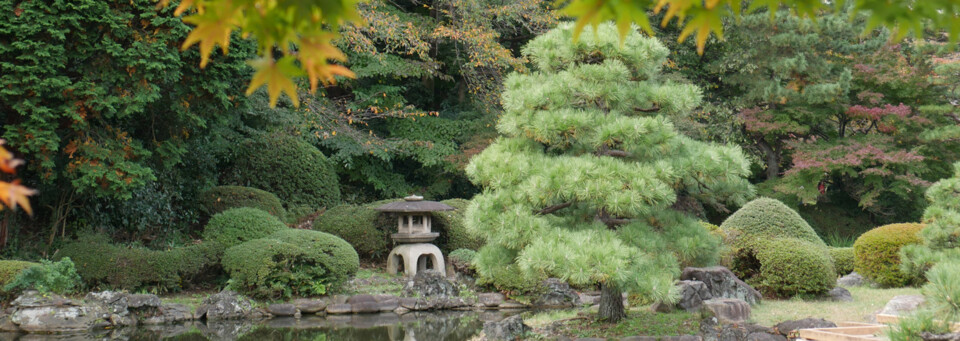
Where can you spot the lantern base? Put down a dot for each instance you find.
(415, 258)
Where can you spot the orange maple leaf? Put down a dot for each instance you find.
(13, 194)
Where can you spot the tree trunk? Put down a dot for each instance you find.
(611, 304)
(773, 160)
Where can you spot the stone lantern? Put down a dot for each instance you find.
(414, 250)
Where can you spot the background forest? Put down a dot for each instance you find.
(123, 132)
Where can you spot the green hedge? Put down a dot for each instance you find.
(9, 269)
(294, 170)
(290, 262)
(790, 266)
(237, 225)
(766, 218)
(843, 260)
(365, 229)
(222, 198)
(877, 254)
(453, 231)
(101, 263)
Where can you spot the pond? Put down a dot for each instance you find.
(413, 326)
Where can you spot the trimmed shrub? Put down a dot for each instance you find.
(289, 167)
(57, 277)
(877, 254)
(9, 269)
(360, 226)
(790, 266)
(101, 263)
(291, 262)
(237, 225)
(766, 218)
(462, 260)
(222, 198)
(453, 231)
(842, 260)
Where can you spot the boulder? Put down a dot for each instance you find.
(928, 336)
(728, 310)
(722, 283)
(225, 305)
(335, 309)
(143, 301)
(507, 329)
(169, 313)
(786, 327)
(491, 299)
(902, 305)
(282, 309)
(511, 304)
(113, 301)
(712, 330)
(852, 280)
(681, 338)
(430, 283)
(840, 294)
(590, 297)
(309, 306)
(557, 294)
(51, 313)
(387, 302)
(760, 336)
(692, 295)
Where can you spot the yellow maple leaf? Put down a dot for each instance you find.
(12, 194)
(277, 76)
(314, 53)
(702, 22)
(212, 27)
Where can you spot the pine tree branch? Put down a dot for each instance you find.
(655, 108)
(614, 153)
(611, 221)
(554, 208)
(955, 117)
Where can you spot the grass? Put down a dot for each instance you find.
(373, 281)
(866, 302)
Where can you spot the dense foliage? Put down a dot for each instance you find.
(290, 262)
(583, 181)
(237, 225)
(843, 260)
(359, 225)
(877, 254)
(58, 277)
(9, 269)
(941, 236)
(790, 266)
(766, 218)
(222, 198)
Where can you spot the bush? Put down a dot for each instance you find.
(453, 231)
(294, 170)
(222, 198)
(101, 263)
(237, 225)
(462, 260)
(790, 266)
(877, 254)
(57, 277)
(361, 226)
(9, 269)
(842, 260)
(766, 218)
(291, 262)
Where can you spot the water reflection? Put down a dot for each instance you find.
(414, 326)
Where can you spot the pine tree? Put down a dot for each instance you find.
(589, 179)
(941, 237)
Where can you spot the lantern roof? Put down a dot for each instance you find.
(413, 204)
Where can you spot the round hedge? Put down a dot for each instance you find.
(291, 262)
(790, 266)
(361, 226)
(297, 172)
(877, 254)
(453, 231)
(9, 269)
(222, 198)
(766, 218)
(842, 260)
(237, 225)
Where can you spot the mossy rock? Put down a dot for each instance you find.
(843, 260)
(877, 254)
(237, 225)
(222, 198)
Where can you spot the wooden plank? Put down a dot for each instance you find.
(891, 319)
(820, 335)
(855, 324)
(861, 330)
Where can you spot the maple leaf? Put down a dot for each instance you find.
(277, 76)
(13, 194)
(8, 163)
(314, 53)
(703, 22)
(212, 27)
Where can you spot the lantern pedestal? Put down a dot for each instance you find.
(415, 258)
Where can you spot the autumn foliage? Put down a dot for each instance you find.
(12, 193)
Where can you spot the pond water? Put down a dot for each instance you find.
(414, 326)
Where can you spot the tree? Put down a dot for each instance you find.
(941, 237)
(589, 180)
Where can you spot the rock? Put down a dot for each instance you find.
(557, 295)
(508, 329)
(430, 283)
(852, 280)
(692, 295)
(639, 338)
(511, 304)
(928, 336)
(590, 298)
(786, 327)
(903, 304)
(169, 313)
(722, 283)
(728, 310)
(682, 338)
(308, 306)
(712, 330)
(491, 299)
(661, 307)
(387, 302)
(339, 309)
(282, 309)
(409, 303)
(142, 301)
(401, 310)
(115, 302)
(225, 305)
(840, 294)
(765, 337)
(51, 313)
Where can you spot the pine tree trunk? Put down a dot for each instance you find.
(773, 160)
(611, 304)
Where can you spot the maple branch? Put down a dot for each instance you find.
(554, 208)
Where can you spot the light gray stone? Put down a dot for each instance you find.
(692, 295)
(430, 283)
(840, 294)
(722, 283)
(787, 327)
(339, 309)
(852, 280)
(225, 305)
(506, 330)
(511, 304)
(285, 309)
(491, 299)
(728, 310)
(558, 294)
(51, 313)
(765, 337)
(902, 305)
(310, 306)
(142, 301)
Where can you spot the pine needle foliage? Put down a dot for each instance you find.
(581, 183)
(941, 236)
